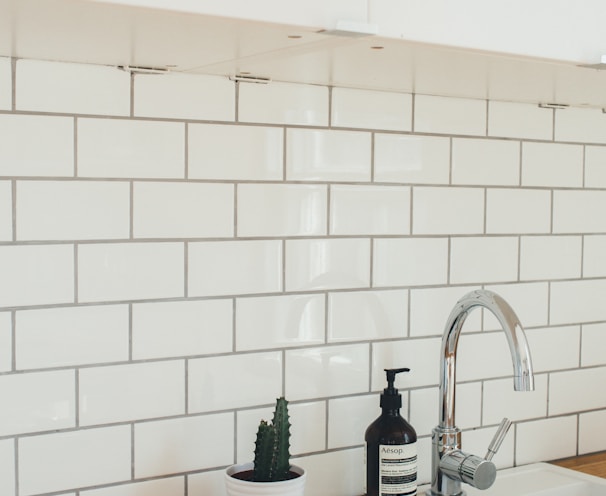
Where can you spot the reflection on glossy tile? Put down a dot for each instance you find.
(127, 392)
(258, 156)
(283, 103)
(218, 383)
(361, 315)
(38, 402)
(358, 210)
(319, 155)
(58, 337)
(345, 429)
(234, 267)
(371, 109)
(327, 264)
(308, 429)
(60, 461)
(282, 210)
(279, 321)
(186, 440)
(411, 159)
(485, 162)
(327, 371)
(181, 328)
(409, 261)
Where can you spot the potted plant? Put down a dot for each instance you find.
(271, 472)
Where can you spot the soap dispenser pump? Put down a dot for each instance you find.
(391, 447)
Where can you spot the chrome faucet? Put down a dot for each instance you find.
(450, 465)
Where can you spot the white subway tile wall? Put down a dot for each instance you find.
(177, 251)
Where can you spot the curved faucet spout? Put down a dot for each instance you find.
(522, 367)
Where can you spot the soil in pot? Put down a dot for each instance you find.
(247, 475)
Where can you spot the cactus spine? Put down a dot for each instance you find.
(272, 456)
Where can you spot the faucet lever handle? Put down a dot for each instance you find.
(498, 438)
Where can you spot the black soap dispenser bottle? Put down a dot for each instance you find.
(391, 447)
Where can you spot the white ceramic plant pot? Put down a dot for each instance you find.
(237, 487)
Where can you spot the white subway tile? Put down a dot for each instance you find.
(211, 482)
(72, 88)
(345, 429)
(411, 159)
(234, 267)
(477, 260)
(131, 148)
(552, 164)
(574, 211)
(34, 145)
(327, 264)
(580, 124)
(6, 342)
(58, 337)
(430, 308)
(308, 431)
(6, 211)
(519, 120)
(36, 274)
(424, 409)
(410, 261)
(530, 302)
(447, 210)
(483, 356)
(185, 96)
(326, 371)
(121, 393)
(589, 424)
(259, 154)
(121, 271)
(593, 345)
(324, 467)
(501, 400)
(369, 210)
(7, 467)
(547, 439)
(577, 301)
(247, 424)
(445, 115)
(219, 383)
(595, 167)
(63, 210)
(594, 264)
(322, 155)
(468, 407)
(554, 348)
(518, 211)
(422, 356)
(485, 162)
(187, 440)
(6, 83)
(181, 328)
(279, 321)
(362, 315)
(37, 402)
(282, 210)
(371, 109)
(550, 257)
(60, 461)
(283, 103)
(575, 390)
(172, 486)
(182, 210)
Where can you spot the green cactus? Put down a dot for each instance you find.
(272, 456)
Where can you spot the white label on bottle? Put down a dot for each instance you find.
(398, 469)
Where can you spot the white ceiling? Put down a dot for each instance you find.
(98, 33)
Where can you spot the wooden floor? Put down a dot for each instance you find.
(594, 464)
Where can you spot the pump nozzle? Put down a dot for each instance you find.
(391, 399)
